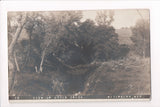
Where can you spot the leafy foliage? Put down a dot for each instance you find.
(105, 17)
(140, 38)
(64, 36)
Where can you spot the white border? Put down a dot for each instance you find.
(154, 7)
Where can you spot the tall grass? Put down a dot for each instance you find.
(127, 76)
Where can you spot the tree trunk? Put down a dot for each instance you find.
(16, 63)
(12, 60)
(43, 56)
(14, 40)
(42, 60)
(16, 36)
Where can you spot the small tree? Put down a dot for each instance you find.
(21, 20)
(141, 38)
(105, 17)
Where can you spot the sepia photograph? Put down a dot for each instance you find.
(79, 54)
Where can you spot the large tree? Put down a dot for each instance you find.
(21, 20)
(85, 42)
(15, 26)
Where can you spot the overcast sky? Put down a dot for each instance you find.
(122, 18)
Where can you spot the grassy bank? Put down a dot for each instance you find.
(127, 76)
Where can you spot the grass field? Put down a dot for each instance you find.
(128, 76)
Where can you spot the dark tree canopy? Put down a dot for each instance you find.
(64, 36)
